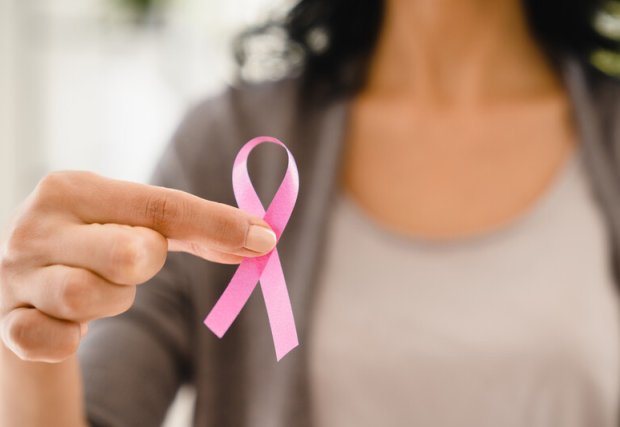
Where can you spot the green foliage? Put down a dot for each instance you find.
(607, 61)
(607, 24)
(607, 21)
(141, 10)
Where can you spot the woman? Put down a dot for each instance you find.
(451, 260)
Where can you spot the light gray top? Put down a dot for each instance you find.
(133, 364)
(517, 327)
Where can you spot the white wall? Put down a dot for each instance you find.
(81, 89)
(7, 100)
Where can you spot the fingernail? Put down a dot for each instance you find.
(260, 239)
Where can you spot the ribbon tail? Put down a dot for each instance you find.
(235, 296)
(278, 306)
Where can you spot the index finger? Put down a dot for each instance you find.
(175, 214)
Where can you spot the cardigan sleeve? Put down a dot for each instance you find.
(133, 364)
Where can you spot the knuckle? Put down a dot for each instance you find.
(230, 232)
(24, 335)
(160, 210)
(12, 246)
(136, 256)
(50, 188)
(7, 264)
(125, 302)
(67, 346)
(19, 334)
(7, 288)
(21, 240)
(156, 250)
(126, 258)
(57, 188)
(74, 295)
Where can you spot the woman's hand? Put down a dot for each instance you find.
(81, 243)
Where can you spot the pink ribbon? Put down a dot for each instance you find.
(267, 268)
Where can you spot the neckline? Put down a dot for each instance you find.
(512, 225)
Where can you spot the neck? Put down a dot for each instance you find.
(458, 52)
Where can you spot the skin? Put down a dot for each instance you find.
(461, 127)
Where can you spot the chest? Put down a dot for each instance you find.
(445, 173)
(526, 315)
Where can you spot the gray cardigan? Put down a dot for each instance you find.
(133, 364)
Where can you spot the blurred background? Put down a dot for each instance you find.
(100, 85)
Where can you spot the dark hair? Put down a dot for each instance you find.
(330, 41)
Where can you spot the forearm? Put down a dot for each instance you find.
(40, 394)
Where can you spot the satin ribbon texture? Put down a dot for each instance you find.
(267, 268)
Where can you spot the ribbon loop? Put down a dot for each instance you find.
(267, 268)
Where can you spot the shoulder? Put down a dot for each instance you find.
(204, 145)
(247, 105)
(594, 90)
(606, 96)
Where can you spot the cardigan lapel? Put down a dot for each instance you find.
(598, 145)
